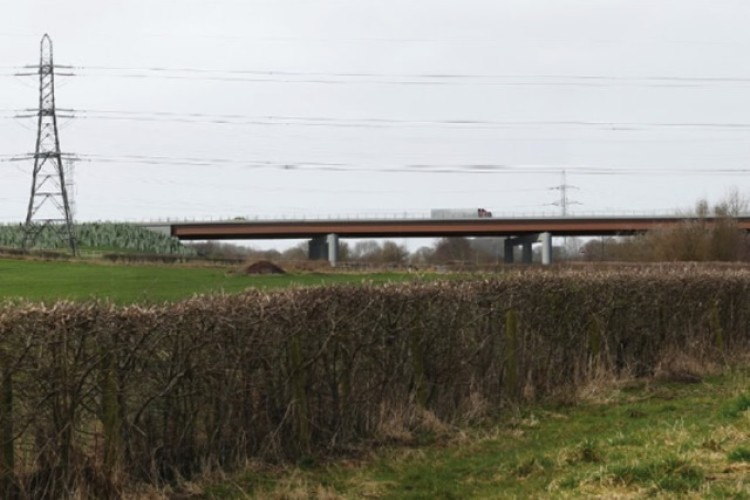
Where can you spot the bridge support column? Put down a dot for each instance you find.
(324, 247)
(526, 242)
(508, 251)
(546, 241)
(527, 254)
(333, 249)
(317, 248)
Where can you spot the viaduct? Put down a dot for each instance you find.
(524, 232)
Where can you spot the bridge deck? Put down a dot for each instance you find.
(396, 228)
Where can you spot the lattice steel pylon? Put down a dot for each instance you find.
(48, 205)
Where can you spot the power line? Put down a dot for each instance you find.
(648, 42)
(409, 168)
(435, 76)
(448, 76)
(321, 121)
(287, 76)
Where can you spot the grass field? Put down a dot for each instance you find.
(52, 280)
(639, 440)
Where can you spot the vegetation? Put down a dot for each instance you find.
(54, 280)
(387, 252)
(304, 374)
(101, 237)
(636, 438)
(694, 240)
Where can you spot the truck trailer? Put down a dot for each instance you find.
(460, 213)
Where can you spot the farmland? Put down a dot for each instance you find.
(51, 280)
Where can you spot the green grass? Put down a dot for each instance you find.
(51, 280)
(652, 439)
(739, 454)
(665, 474)
(737, 406)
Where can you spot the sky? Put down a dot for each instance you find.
(195, 109)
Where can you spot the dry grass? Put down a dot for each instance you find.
(677, 366)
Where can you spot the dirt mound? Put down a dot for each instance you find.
(262, 267)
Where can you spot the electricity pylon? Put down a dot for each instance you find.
(49, 206)
(564, 202)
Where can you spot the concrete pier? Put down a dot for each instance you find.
(324, 247)
(526, 243)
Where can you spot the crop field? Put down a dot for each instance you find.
(54, 280)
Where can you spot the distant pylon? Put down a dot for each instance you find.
(564, 202)
(49, 206)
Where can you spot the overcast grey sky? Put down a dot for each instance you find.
(305, 107)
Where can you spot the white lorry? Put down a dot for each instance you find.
(460, 213)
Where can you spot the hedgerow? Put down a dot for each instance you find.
(94, 397)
